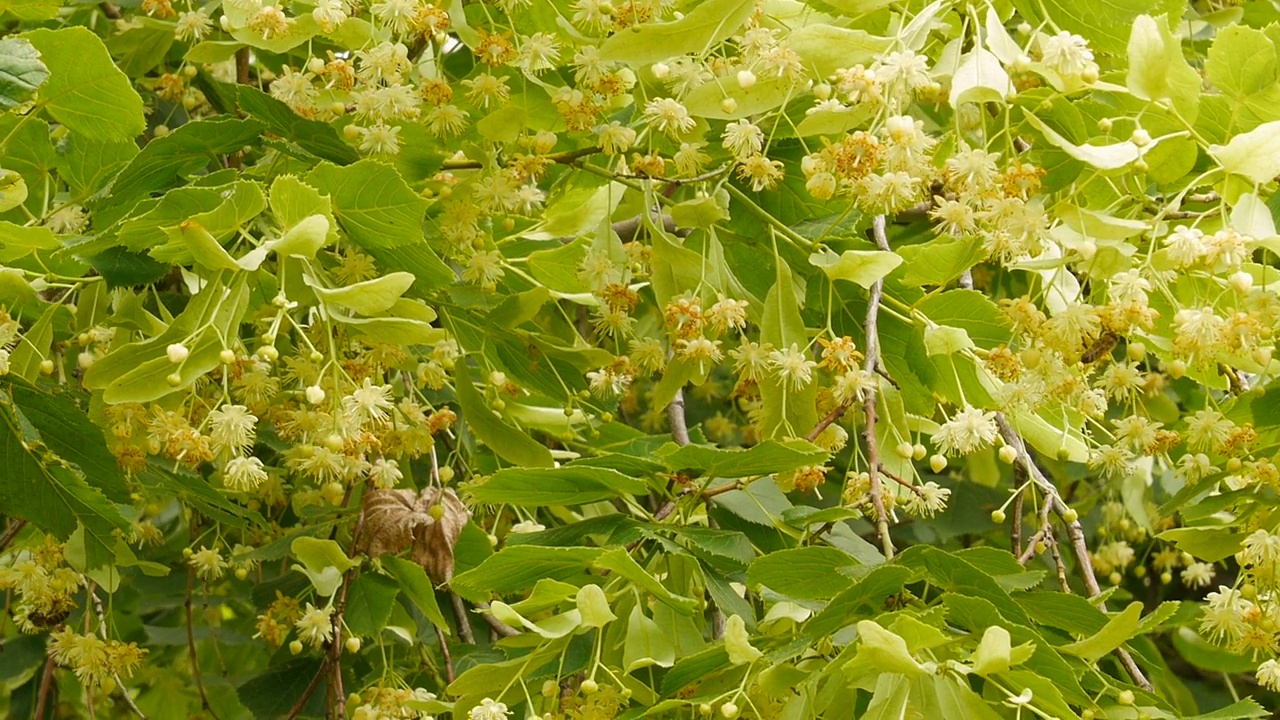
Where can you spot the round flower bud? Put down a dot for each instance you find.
(174, 380)
(660, 70)
(46, 367)
(822, 91)
(508, 224)
(160, 131)
(997, 516)
(315, 65)
(446, 473)
(1105, 124)
(353, 644)
(746, 79)
(1166, 577)
(1261, 355)
(904, 449)
(590, 687)
(550, 688)
(85, 359)
(315, 356)
(1115, 578)
(1008, 454)
(295, 647)
(918, 451)
(1024, 28)
(177, 353)
(1125, 697)
(1241, 282)
(227, 356)
(436, 511)
(315, 394)
(729, 105)
(334, 442)
(1090, 74)
(1141, 137)
(729, 711)
(269, 353)
(1070, 515)
(493, 540)
(1136, 351)
(938, 463)
(351, 132)
(1177, 369)
(1030, 358)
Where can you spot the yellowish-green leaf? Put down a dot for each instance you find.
(706, 24)
(594, 607)
(994, 653)
(737, 643)
(863, 267)
(979, 78)
(367, 298)
(1254, 154)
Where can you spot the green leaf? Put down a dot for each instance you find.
(646, 644)
(85, 91)
(890, 699)
(971, 311)
(187, 149)
(87, 166)
(885, 651)
(519, 567)
(1105, 23)
(1102, 157)
(21, 71)
(770, 456)
(372, 203)
(594, 607)
(1209, 544)
(369, 602)
(1254, 154)
(569, 485)
(980, 78)
(870, 591)
(316, 137)
(805, 573)
(33, 345)
(864, 267)
(825, 48)
(994, 652)
(60, 417)
(417, 587)
(1242, 65)
(274, 692)
(507, 442)
(785, 412)
(939, 261)
(946, 340)
(323, 561)
(1157, 68)
(370, 297)
(619, 561)
(737, 644)
(141, 48)
(1119, 629)
(50, 493)
(705, 25)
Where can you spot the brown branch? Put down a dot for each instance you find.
(836, 413)
(297, 708)
(460, 613)
(1075, 533)
(1015, 532)
(913, 488)
(448, 658)
(869, 402)
(562, 158)
(46, 685)
(494, 623)
(679, 424)
(110, 10)
(11, 533)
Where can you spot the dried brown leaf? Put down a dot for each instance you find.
(397, 519)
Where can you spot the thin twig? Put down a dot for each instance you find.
(110, 10)
(191, 642)
(448, 658)
(464, 624)
(11, 532)
(1075, 533)
(1015, 532)
(869, 402)
(46, 684)
(563, 158)
(835, 414)
(898, 479)
(297, 708)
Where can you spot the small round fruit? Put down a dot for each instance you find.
(1070, 515)
(1166, 577)
(174, 380)
(1115, 578)
(46, 367)
(353, 644)
(590, 687)
(1008, 454)
(938, 463)
(1125, 697)
(446, 474)
(997, 516)
(295, 647)
(242, 573)
(1137, 351)
(436, 511)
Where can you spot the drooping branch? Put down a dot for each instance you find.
(563, 158)
(1075, 533)
(15, 527)
(872, 365)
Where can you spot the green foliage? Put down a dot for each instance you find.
(587, 359)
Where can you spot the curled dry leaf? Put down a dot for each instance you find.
(430, 521)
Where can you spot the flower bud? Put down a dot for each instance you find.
(1008, 454)
(177, 353)
(315, 394)
(227, 356)
(729, 105)
(997, 516)
(295, 647)
(1241, 282)
(938, 463)
(353, 644)
(746, 79)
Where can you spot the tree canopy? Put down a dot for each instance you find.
(597, 359)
